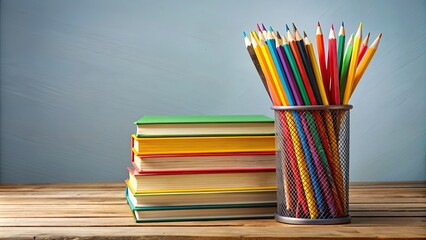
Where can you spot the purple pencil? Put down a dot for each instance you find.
(287, 69)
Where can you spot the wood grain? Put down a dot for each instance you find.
(99, 211)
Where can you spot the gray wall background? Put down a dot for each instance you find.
(76, 74)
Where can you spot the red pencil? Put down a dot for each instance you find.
(333, 68)
(322, 62)
(363, 48)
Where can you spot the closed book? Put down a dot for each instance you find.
(202, 212)
(222, 144)
(203, 162)
(214, 125)
(146, 200)
(197, 182)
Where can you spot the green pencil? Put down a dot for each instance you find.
(345, 67)
(341, 47)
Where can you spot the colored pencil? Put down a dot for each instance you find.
(321, 59)
(333, 68)
(259, 30)
(341, 47)
(287, 69)
(366, 60)
(318, 77)
(256, 63)
(295, 70)
(345, 67)
(278, 65)
(302, 70)
(273, 71)
(327, 135)
(363, 48)
(308, 65)
(292, 76)
(268, 77)
(352, 65)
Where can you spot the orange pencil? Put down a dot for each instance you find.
(365, 61)
(271, 86)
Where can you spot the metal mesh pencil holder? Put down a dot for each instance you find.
(312, 153)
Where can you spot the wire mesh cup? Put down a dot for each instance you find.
(312, 153)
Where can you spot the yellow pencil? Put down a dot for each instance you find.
(273, 70)
(352, 65)
(271, 86)
(254, 35)
(365, 61)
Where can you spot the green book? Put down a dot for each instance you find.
(201, 212)
(213, 125)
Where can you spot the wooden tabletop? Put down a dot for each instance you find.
(99, 211)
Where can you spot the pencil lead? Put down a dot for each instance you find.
(332, 27)
(286, 27)
(258, 27)
(304, 34)
(278, 35)
(319, 25)
(270, 29)
(368, 35)
(360, 25)
(343, 24)
(380, 35)
(263, 27)
(294, 27)
(245, 35)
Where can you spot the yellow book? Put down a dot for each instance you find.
(202, 182)
(178, 145)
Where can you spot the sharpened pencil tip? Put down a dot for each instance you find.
(245, 35)
(304, 34)
(360, 25)
(294, 27)
(343, 24)
(258, 27)
(380, 35)
(368, 35)
(286, 28)
(332, 27)
(270, 29)
(278, 35)
(319, 25)
(263, 27)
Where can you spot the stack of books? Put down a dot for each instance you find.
(202, 168)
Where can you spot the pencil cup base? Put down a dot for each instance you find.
(303, 221)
